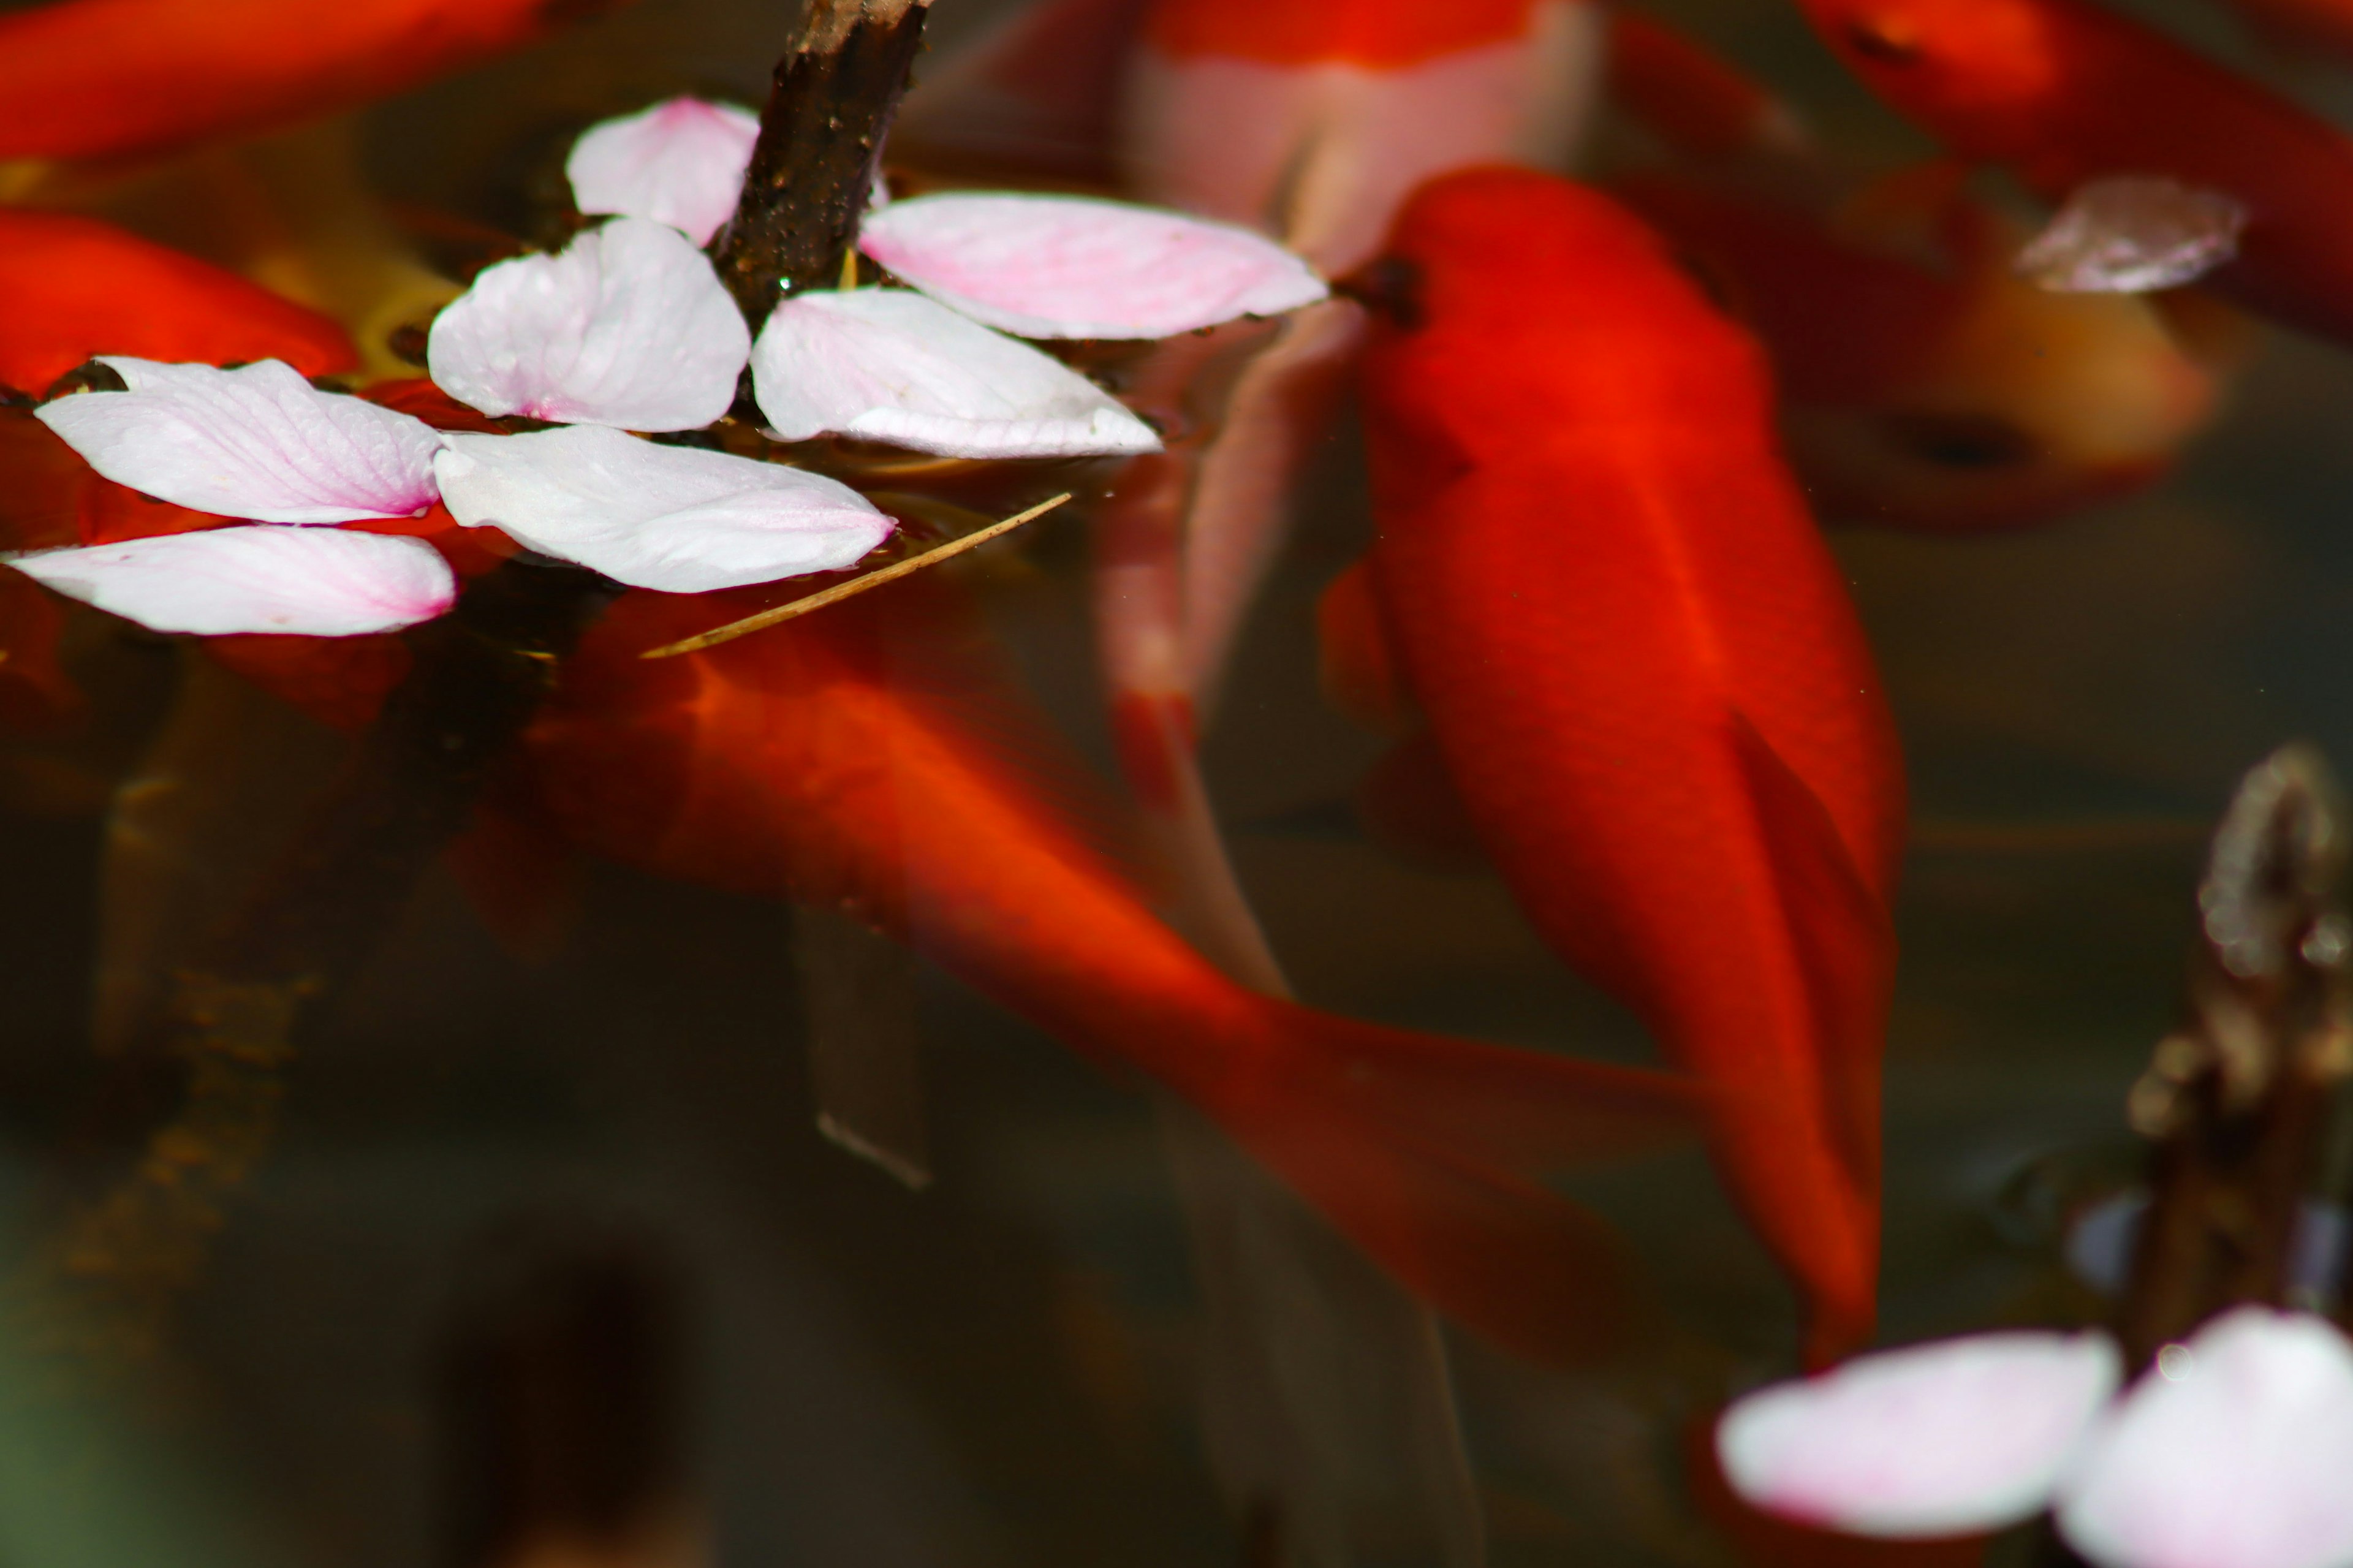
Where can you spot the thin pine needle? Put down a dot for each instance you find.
(841, 591)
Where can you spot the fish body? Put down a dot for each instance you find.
(849, 760)
(84, 79)
(2063, 92)
(1643, 671)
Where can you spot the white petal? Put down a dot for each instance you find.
(628, 326)
(316, 581)
(677, 519)
(1947, 1438)
(2133, 234)
(2241, 1457)
(1063, 267)
(680, 162)
(257, 442)
(887, 365)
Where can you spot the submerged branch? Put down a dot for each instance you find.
(820, 143)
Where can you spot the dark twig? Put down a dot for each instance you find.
(2239, 1097)
(821, 143)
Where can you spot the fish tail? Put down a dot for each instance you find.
(1428, 1153)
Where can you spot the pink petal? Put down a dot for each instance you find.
(629, 327)
(678, 518)
(2133, 234)
(2242, 1457)
(1947, 1438)
(1063, 267)
(257, 442)
(680, 162)
(316, 581)
(887, 365)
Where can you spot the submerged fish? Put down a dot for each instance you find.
(1597, 580)
(2063, 92)
(112, 78)
(1924, 383)
(856, 760)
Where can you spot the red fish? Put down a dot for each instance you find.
(76, 286)
(1924, 383)
(855, 760)
(1642, 669)
(112, 78)
(2061, 92)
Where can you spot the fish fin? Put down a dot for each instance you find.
(1038, 91)
(521, 878)
(1358, 668)
(1422, 1151)
(1922, 210)
(1846, 939)
(1410, 805)
(1691, 99)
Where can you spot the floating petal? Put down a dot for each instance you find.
(680, 162)
(1065, 266)
(2234, 1453)
(628, 326)
(2133, 234)
(258, 442)
(327, 582)
(887, 365)
(1949, 1438)
(675, 519)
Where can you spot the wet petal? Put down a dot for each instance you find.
(628, 326)
(680, 162)
(2132, 235)
(257, 442)
(1947, 1438)
(677, 519)
(1063, 267)
(2233, 1454)
(887, 365)
(316, 581)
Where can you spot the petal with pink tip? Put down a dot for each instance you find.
(1947, 1438)
(2235, 1453)
(627, 326)
(322, 582)
(678, 518)
(680, 162)
(1065, 267)
(883, 364)
(257, 442)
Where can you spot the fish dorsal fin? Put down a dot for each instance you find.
(1845, 942)
(1359, 670)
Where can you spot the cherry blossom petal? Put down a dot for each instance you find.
(677, 519)
(2234, 1453)
(680, 162)
(322, 582)
(1065, 266)
(628, 326)
(2133, 234)
(257, 442)
(1947, 1438)
(887, 365)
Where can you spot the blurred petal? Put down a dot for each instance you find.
(2236, 1453)
(680, 162)
(1949, 1438)
(2133, 234)
(317, 582)
(627, 327)
(259, 442)
(1063, 267)
(887, 365)
(677, 519)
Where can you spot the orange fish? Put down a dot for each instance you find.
(113, 78)
(2061, 92)
(1924, 383)
(1640, 666)
(856, 760)
(76, 287)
